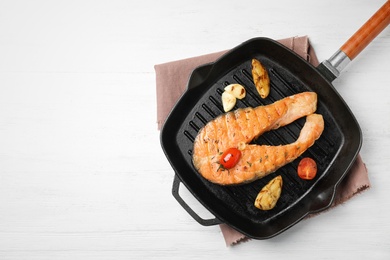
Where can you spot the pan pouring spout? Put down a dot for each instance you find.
(238, 128)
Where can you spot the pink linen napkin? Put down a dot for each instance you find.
(171, 80)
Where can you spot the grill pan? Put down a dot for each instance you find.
(335, 151)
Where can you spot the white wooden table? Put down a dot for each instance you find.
(82, 173)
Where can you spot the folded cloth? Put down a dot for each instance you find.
(171, 80)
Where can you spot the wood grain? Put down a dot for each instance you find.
(369, 30)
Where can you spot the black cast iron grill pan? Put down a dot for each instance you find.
(335, 151)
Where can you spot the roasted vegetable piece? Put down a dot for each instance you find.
(228, 101)
(269, 194)
(307, 168)
(260, 78)
(236, 90)
(230, 95)
(230, 158)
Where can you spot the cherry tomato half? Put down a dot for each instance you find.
(307, 168)
(230, 158)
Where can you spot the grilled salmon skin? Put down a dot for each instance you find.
(238, 128)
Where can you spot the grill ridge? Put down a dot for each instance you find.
(208, 110)
(281, 79)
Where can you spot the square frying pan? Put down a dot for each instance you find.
(335, 151)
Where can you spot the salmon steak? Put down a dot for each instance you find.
(236, 129)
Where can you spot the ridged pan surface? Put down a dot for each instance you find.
(334, 151)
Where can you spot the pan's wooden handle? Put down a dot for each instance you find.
(367, 32)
